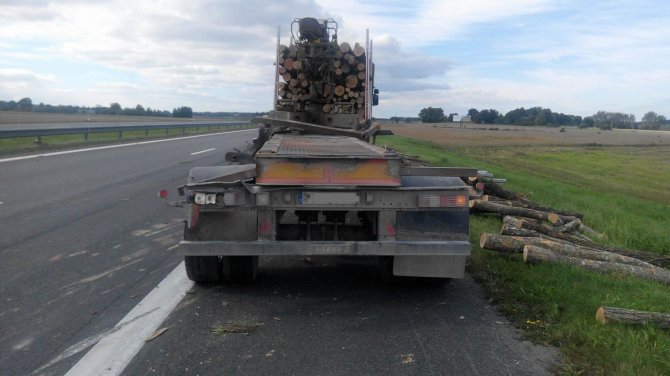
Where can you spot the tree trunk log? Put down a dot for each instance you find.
(633, 317)
(494, 189)
(499, 200)
(358, 50)
(339, 90)
(535, 255)
(649, 257)
(490, 207)
(516, 244)
(352, 81)
(345, 47)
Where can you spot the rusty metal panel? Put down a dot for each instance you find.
(292, 146)
(325, 160)
(362, 172)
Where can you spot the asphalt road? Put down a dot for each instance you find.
(84, 238)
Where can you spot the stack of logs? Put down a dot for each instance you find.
(342, 91)
(547, 235)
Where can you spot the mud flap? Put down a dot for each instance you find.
(429, 266)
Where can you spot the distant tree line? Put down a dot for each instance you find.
(546, 117)
(26, 105)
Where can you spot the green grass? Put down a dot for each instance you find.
(622, 192)
(27, 144)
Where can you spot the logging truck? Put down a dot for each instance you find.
(313, 182)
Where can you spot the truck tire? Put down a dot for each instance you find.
(203, 269)
(240, 269)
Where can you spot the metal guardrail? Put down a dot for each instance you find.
(39, 133)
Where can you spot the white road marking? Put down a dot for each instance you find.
(98, 276)
(112, 354)
(83, 345)
(202, 151)
(116, 146)
(168, 227)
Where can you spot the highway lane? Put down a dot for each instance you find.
(333, 316)
(83, 238)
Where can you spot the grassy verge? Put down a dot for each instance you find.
(27, 144)
(622, 192)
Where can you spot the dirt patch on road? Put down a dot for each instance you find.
(502, 135)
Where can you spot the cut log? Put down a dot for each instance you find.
(569, 227)
(533, 206)
(501, 243)
(352, 81)
(605, 315)
(358, 50)
(338, 71)
(361, 75)
(490, 207)
(650, 257)
(345, 47)
(497, 190)
(534, 255)
(327, 107)
(288, 63)
(286, 77)
(346, 68)
(337, 63)
(516, 244)
(360, 67)
(297, 65)
(339, 90)
(589, 231)
(350, 59)
(293, 50)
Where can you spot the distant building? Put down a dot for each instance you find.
(464, 119)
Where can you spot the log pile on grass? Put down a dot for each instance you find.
(548, 235)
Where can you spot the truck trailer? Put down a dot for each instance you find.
(313, 182)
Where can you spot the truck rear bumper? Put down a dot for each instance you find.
(353, 248)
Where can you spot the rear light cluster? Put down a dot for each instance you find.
(231, 198)
(442, 201)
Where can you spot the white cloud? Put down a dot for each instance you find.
(12, 79)
(570, 56)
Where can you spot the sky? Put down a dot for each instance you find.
(575, 57)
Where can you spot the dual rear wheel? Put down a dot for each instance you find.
(234, 269)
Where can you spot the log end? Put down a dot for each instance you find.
(600, 315)
(555, 219)
(471, 204)
(483, 239)
(525, 253)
